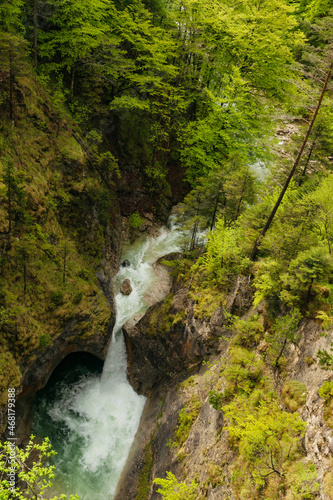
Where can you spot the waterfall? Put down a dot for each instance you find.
(92, 422)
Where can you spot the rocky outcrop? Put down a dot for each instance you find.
(166, 348)
(169, 339)
(206, 447)
(318, 440)
(75, 336)
(125, 287)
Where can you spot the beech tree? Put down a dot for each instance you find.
(76, 29)
(11, 15)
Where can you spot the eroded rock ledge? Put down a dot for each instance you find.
(165, 364)
(75, 336)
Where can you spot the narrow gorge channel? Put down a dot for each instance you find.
(91, 416)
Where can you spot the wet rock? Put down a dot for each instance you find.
(125, 263)
(125, 287)
(169, 339)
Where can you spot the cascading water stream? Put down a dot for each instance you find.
(92, 421)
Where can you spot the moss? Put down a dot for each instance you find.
(294, 394)
(328, 481)
(135, 220)
(9, 374)
(190, 381)
(206, 301)
(186, 418)
(144, 476)
(326, 392)
(161, 320)
(59, 204)
(44, 340)
(309, 360)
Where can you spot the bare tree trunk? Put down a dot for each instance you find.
(64, 267)
(24, 272)
(292, 171)
(9, 205)
(11, 82)
(241, 197)
(307, 163)
(72, 82)
(35, 21)
(215, 210)
(309, 292)
(280, 353)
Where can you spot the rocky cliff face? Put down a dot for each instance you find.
(167, 348)
(88, 330)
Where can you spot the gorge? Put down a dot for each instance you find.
(114, 114)
(91, 422)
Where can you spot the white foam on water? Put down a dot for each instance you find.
(100, 416)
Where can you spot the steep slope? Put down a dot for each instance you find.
(59, 239)
(237, 424)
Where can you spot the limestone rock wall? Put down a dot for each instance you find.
(166, 363)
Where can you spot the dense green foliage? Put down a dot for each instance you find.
(94, 90)
(171, 489)
(29, 466)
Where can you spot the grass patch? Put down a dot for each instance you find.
(294, 394)
(144, 477)
(186, 418)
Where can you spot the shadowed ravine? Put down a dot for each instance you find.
(92, 418)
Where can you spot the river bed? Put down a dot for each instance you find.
(91, 416)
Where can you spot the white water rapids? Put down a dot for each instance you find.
(96, 418)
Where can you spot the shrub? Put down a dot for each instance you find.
(243, 372)
(78, 297)
(33, 472)
(294, 394)
(186, 418)
(249, 332)
(135, 220)
(171, 489)
(302, 480)
(326, 391)
(83, 274)
(56, 299)
(44, 340)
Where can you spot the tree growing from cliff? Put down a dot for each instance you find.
(266, 437)
(171, 489)
(271, 216)
(24, 473)
(13, 61)
(14, 195)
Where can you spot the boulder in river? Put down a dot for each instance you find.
(125, 287)
(125, 263)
